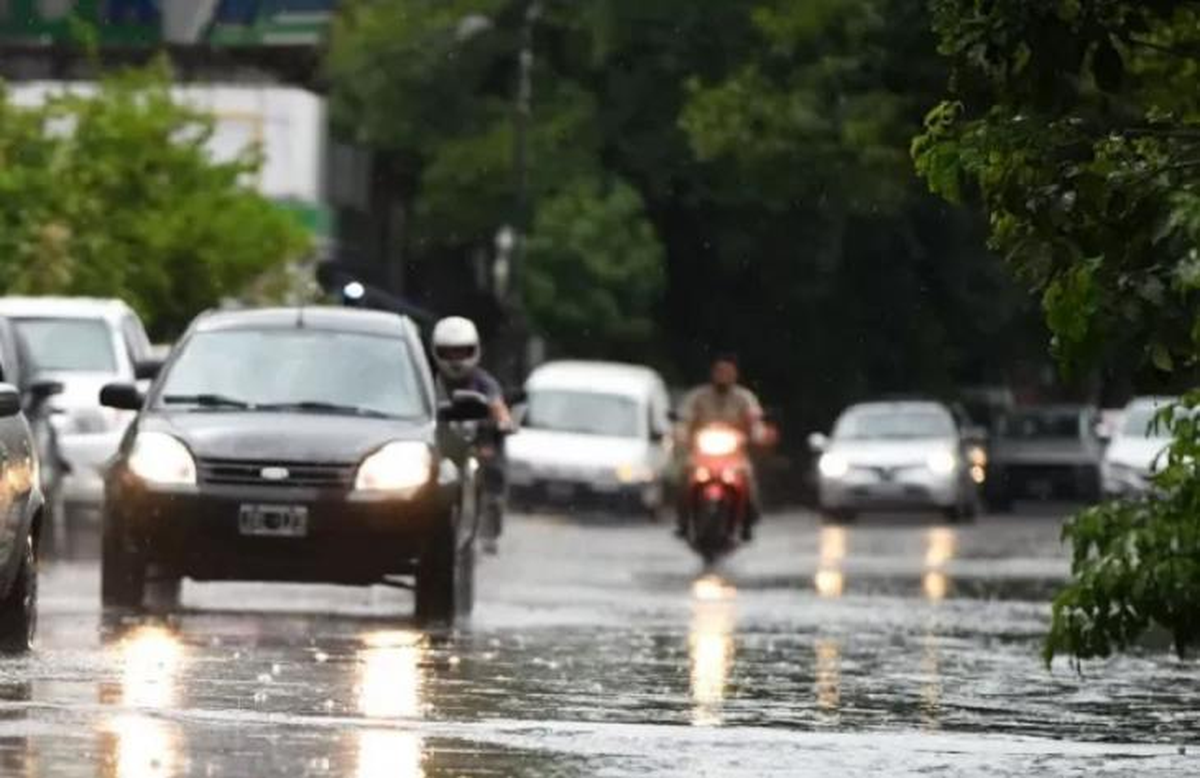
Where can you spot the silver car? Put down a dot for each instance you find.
(897, 456)
(82, 344)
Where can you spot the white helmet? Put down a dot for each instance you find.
(456, 347)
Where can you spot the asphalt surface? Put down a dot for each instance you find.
(890, 647)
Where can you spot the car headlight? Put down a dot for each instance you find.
(397, 467)
(941, 463)
(833, 465)
(162, 459)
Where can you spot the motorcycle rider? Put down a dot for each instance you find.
(724, 401)
(457, 351)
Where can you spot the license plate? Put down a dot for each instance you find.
(278, 521)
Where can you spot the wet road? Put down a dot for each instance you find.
(894, 647)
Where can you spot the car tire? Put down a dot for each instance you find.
(163, 593)
(445, 579)
(122, 571)
(18, 611)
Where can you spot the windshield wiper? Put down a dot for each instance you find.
(205, 400)
(319, 406)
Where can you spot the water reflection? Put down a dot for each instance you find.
(940, 544)
(144, 746)
(829, 580)
(390, 686)
(711, 647)
(931, 684)
(829, 675)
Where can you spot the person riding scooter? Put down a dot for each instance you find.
(724, 401)
(457, 352)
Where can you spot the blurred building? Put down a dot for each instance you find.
(255, 64)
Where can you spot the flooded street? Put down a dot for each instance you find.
(895, 647)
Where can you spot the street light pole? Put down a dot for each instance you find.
(522, 115)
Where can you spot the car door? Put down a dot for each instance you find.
(17, 472)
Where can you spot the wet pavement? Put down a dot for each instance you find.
(889, 647)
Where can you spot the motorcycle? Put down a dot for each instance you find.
(717, 497)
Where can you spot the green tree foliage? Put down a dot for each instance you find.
(595, 269)
(768, 144)
(114, 194)
(1076, 124)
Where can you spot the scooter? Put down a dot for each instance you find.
(717, 497)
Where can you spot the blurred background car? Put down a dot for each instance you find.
(1136, 448)
(592, 436)
(83, 344)
(888, 456)
(1045, 452)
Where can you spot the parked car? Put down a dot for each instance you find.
(292, 444)
(83, 344)
(593, 435)
(1045, 452)
(22, 518)
(888, 456)
(1136, 448)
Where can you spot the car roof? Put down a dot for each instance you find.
(614, 377)
(899, 406)
(1150, 401)
(321, 317)
(1055, 409)
(110, 309)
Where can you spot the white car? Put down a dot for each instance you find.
(593, 435)
(82, 343)
(1135, 449)
(889, 456)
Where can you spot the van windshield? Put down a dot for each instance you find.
(588, 413)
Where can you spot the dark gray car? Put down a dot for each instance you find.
(1045, 452)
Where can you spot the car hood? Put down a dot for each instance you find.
(1048, 452)
(284, 437)
(573, 450)
(1139, 453)
(890, 453)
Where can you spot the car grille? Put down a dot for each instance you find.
(245, 472)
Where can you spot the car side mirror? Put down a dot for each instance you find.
(465, 405)
(10, 400)
(43, 389)
(818, 441)
(147, 369)
(123, 397)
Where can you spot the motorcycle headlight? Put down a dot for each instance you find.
(717, 442)
(941, 463)
(833, 465)
(161, 459)
(402, 466)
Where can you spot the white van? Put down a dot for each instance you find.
(593, 435)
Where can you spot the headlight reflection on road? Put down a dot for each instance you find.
(829, 580)
(152, 659)
(940, 548)
(828, 674)
(390, 686)
(711, 647)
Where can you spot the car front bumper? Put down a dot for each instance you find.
(911, 489)
(349, 540)
(584, 496)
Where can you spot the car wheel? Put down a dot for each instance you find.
(18, 611)
(122, 571)
(162, 594)
(445, 579)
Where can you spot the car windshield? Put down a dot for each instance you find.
(1139, 423)
(589, 413)
(310, 370)
(889, 425)
(70, 345)
(1041, 426)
